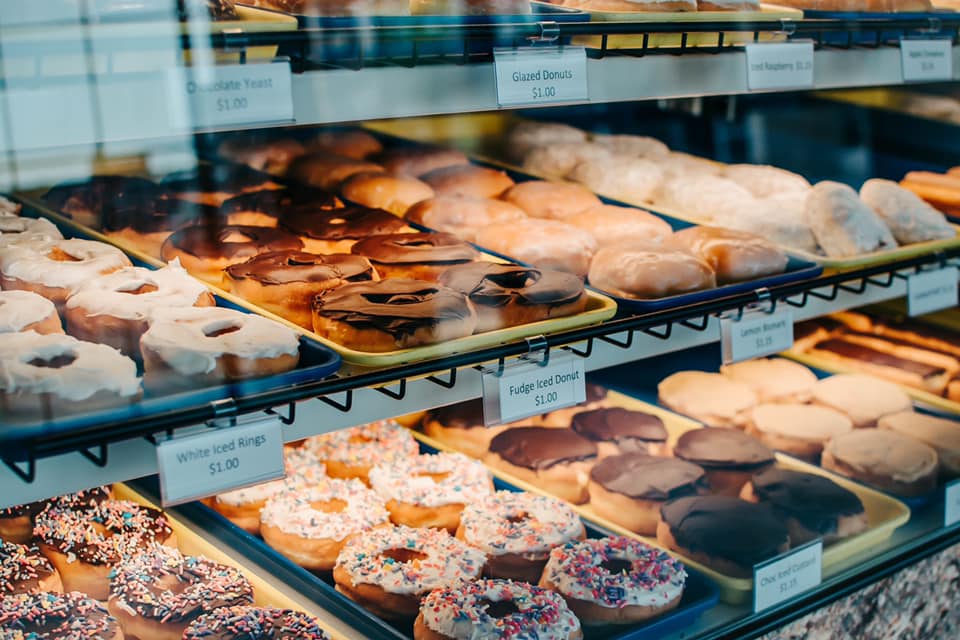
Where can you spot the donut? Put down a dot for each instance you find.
(798, 429)
(394, 193)
(43, 615)
(328, 170)
(55, 270)
(517, 531)
(617, 430)
(90, 201)
(205, 251)
(773, 379)
(192, 346)
(392, 314)
(16, 523)
(24, 569)
(147, 228)
(52, 375)
(22, 311)
(389, 569)
(265, 208)
(552, 200)
(596, 398)
(430, 490)
(631, 145)
(528, 134)
(349, 143)
(468, 180)
(157, 594)
(633, 180)
(462, 216)
(310, 525)
(352, 453)
(733, 255)
(645, 272)
(715, 400)
(212, 184)
(559, 159)
(460, 426)
(27, 232)
(612, 225)
(285, 282)
(254, 623)
(270, 156)
(115, 309)
(614, 580)
(545, 244)
(418, 256)
(507, 295)
(495, 609)
(729, 457)
(337, 230)
(85, 545)
(416, 161)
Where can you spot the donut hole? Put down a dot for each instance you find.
(217, 329)
(333, 505)
(616, 566)
(436, 477)
(53, 362)
(59, 255)
(404, 555)
(498, 608)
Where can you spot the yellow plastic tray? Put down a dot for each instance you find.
(884, 514)
(267, 590)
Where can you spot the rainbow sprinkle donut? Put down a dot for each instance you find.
(254, 623)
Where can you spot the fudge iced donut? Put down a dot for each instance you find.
(730, 457)
(16, 523)
(495, 609)
(420, 256)
(271, 156)
(352, 453)
(89, 201)
(24, 569)
(254, 623)
(545, 244)
(337, 230)
(517, 531)
(27, 311)
(798, 429)
(42, 615)
(461, 427)
(614, 580)
(617, 430)
(430, 490)
(596, 399)
(350, 143)
(388, 570)
(27, 232)
(884, 459)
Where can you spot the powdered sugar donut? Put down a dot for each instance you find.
(28, 233)
(431, 490)
(352, 453)
(24, 568)
(40, 615)
(27, 311)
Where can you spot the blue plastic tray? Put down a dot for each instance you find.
(843, 39)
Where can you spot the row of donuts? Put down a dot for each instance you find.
(402, 532)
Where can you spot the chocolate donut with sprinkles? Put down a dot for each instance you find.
(39, 615)
(254, 623)
(16, 523)
(495, 609)
(23, 569)
(158, 593)
(614, 580)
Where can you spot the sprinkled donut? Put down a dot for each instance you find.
(389, 569)
(42, 615)
(23, 568)
(495, 609)
(27, 311)
(158, 593)
(614, 580)
(254, 623)
(16, 523)
(517, 531)
(85, 544)
(430, 490)
(352, 453)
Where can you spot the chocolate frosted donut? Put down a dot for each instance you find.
(508, 295)
(392, 314)
(254, 623)
(206, 251)
(421, 256)
(337, 230)
(23, 569)
(617, 430)
(103, 197)
(729, 456)
(40, 615)
(460, 426)
(212, 184)
(265, 208)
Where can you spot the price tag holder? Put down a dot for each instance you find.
(951, 503)
(926, 60)
(528, 388)
(756, 334)
(541, 75)
(222, 95)
(219, 460)
(929, 291)
(779, 65)
(788, 575)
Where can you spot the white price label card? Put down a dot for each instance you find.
(930, 291)
(756, 334)
(788, 575)
(951, 503)
(541, 75)
(221, 95)
(219, 460)
(779, 65)
(926, 60)
(528, 388)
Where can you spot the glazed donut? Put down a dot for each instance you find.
(285, 282)
(468, 180)
(146, 229)
(640, 272)
(115, 309)
(394, 193)
(517, 531)
(193, 346)
(558, 159)
(156, 594)
(418, 256)
(310, 525)
(430, 490)
(460, 426)
(596, 398)
(614, 580)
(42, 615)
(27, 232)
(254, 623)
(265, 208)
(85, 545)
(495, 609)
(56, 270)
(337, 230)
(507, 295)
(734, 256)
(327, 170)
(462, 216)
(389, 569)
(212, 184)
(206, 251)
(545, 244)
(392, 314)
(271, 156)
(352, 453)
(22, 311)
(633, 180)
(612, 225)
(416, 161)
(24, 568)
(349, 143)
(53, 375)
(553, 200)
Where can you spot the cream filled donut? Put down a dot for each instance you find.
(115, 309)
(614, 580)
(42, 615)
(310, 525)
(24, 568)
(27, 311)
(27, 232)
(352, 453)
(388, 570)
(192, 345)
(517, 531)
(430, 490)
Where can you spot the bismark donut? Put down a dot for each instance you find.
(351, 453)
(42, 615)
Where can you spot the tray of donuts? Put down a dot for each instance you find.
(720, 499)
(105, 563)
(426, 545)
(89, 336)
